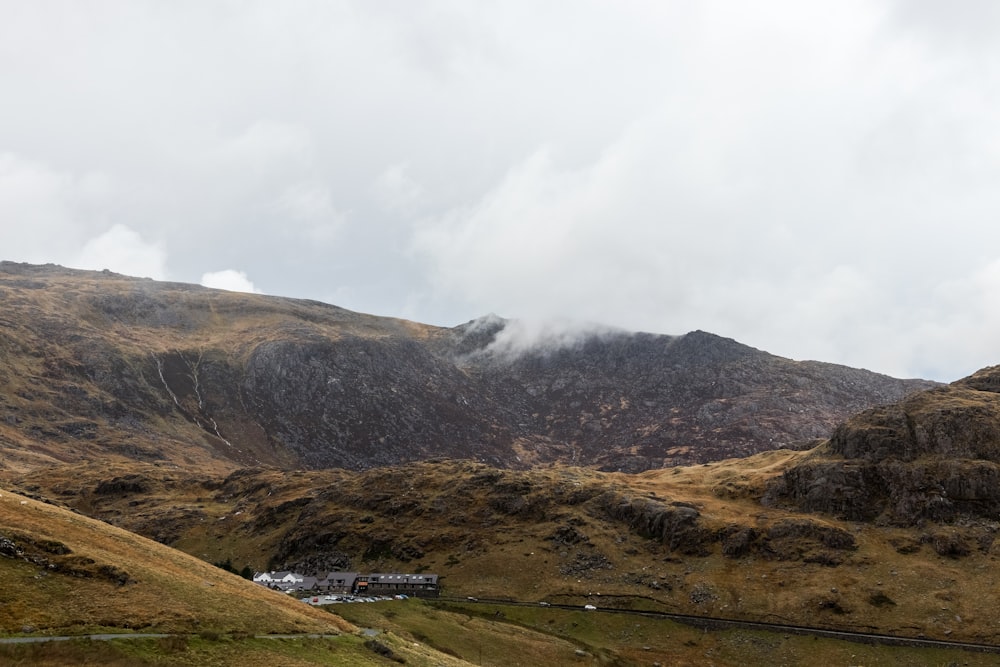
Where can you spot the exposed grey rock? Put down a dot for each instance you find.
(97, 362)
(932, 456)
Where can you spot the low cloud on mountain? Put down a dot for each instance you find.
(816, 179)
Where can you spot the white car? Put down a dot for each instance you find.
(590, 607)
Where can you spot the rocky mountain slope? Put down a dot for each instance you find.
(933, 456)
(97, 364)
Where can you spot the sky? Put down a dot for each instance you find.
(815, 179)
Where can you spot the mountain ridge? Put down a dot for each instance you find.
(98, 364)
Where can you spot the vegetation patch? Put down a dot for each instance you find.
(375, 646)
(56, 557)
(948, 543)
(880, 599)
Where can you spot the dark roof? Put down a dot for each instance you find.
(398, 578)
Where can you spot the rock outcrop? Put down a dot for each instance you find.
(932, 456)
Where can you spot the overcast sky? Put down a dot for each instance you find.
(820, 180)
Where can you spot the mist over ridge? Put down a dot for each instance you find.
(157, 370)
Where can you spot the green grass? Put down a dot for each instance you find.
(344, 651)
(491, 634)
(477, 638)
(195, 651)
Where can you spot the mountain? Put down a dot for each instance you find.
(636, 401)
(518, 463)
(95, 365)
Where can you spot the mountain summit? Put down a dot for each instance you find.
(99, 364)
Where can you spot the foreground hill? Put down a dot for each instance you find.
(65, 573)
(68, 575)
(102, 366)
(694, 540)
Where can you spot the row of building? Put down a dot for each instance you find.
(351, 583)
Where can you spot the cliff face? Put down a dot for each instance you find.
(358, 402)
(96, 364)
(935, 455)
(638, 401)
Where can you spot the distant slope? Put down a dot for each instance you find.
(94, 364)
(634, 401)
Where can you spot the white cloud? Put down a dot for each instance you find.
(777, 206)
(229, 279)
(816, 179)
(266, 146)
(541, 336)
(47, 214)
(122, 250)
(308, 208)
(397, 191)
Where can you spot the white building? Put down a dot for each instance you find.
(283, 577)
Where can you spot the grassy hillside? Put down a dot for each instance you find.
(199, 651)
(505, 635)
(693, 540)
(67, 574)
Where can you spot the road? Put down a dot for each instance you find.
(63, 638)
(715, 623)
(150, 635)
(707, 622)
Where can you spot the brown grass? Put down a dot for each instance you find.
(893, 582)
(171, 591)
